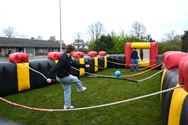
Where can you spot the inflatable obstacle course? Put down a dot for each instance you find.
(16, 76)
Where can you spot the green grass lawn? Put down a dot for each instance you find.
(99, 91)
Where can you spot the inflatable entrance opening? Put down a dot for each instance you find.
(147, 53)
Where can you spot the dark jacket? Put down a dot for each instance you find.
(134, 54)
(62, 68)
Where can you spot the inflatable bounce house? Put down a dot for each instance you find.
(147, 52)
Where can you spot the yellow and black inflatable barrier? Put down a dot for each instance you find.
(175, 103)
(22, 67)
(79, 58)
(102, 60)
(94, 61)
(16, 75)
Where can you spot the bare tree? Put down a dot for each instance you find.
(138, 29)
(78, 41)
(9, 32)
(170, 36)
(78, 35)
(122, 33)
(96, 30)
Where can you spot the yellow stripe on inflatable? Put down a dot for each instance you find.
(56, 61)
(105, 62)
(143, 63)
(176, 105)
(141, 45)
(162, 79)
(23, 76)
(96, 63)
(82, 70)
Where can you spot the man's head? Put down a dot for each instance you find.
(134, 49)
(70, 48)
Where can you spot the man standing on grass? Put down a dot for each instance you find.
(134, 59)
(62, 71)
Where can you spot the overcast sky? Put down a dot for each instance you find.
(41, 17)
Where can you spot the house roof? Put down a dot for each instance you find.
(17, 42)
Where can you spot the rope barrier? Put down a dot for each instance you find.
(89, 107)
(114, 77)
(140, 69)
(37, 72)
(143, 72)
(103, 76)
(141, 80)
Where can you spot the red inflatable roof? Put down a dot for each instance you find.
(92, 53)
(54, 55)
(78, 55)
(18, 57)
(172, 59)
(102, 53)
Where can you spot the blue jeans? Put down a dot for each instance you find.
(66, 83)
(134, 62)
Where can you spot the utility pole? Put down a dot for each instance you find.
(60, 26)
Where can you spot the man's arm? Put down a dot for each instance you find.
(55, 68)
(80, 65)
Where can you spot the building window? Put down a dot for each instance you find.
(30, 51)
(20, 50)
(41, 51)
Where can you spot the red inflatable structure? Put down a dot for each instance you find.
(153, 52)
(92, 54)
(102, 53)
(78, 55)
(54, 55)
(18, 57)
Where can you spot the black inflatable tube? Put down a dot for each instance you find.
(172, 80)
(43, 66)
(94, 65)
(8, 79)
(184, 113)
